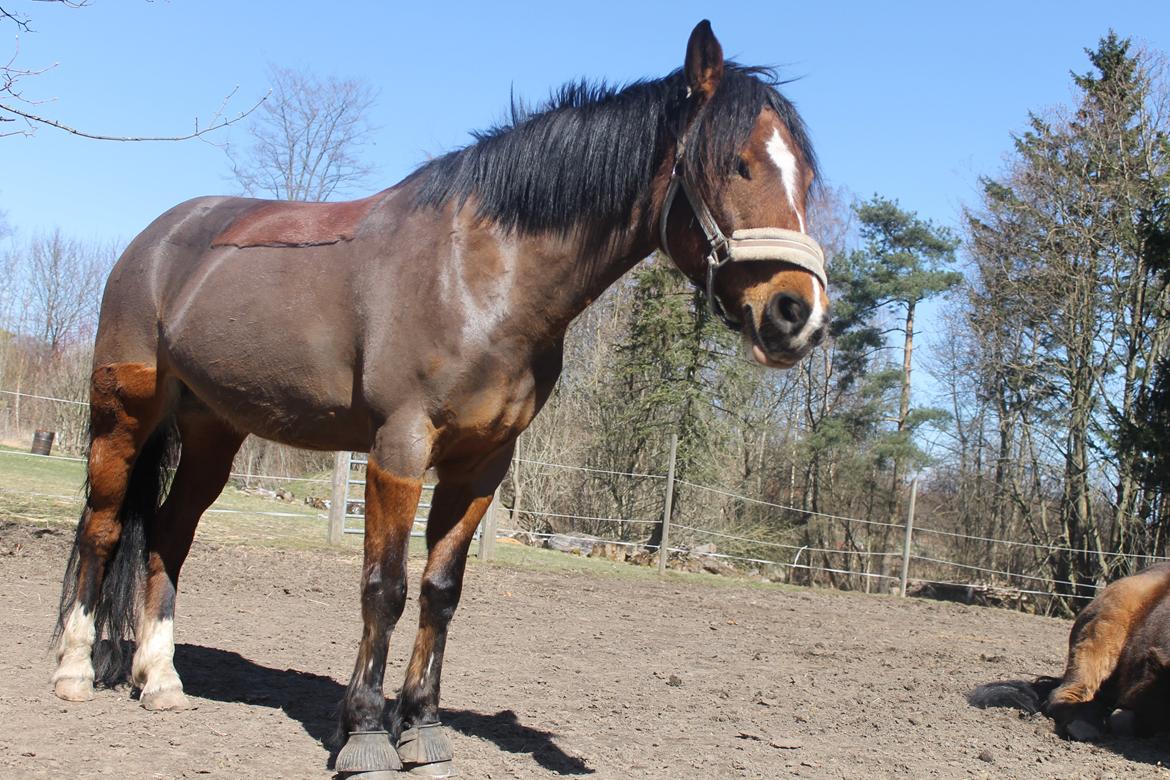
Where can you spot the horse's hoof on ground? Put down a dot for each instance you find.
(74, 688)
(436, 769)
(425, 750)
(170, 699)
(367, 754)
(1082, 731)
(1122, 723)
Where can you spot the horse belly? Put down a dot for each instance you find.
(280, 365)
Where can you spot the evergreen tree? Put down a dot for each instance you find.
(1072, 240)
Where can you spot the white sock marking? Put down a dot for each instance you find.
(153, 668)
(73, 652)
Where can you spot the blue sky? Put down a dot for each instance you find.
(912, 100)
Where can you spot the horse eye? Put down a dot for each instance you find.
(741, 167)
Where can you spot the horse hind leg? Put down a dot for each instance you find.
(204, 466)
(128, 448)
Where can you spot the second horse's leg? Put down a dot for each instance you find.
(391, 502)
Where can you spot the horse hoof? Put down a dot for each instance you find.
(425, 750)
(74, 688)
(171, 699)
(1122, 723)
(1082, 731)
(366, 754)
(436, 769)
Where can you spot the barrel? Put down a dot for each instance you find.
(42, 442)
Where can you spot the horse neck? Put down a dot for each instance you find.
(561, 277)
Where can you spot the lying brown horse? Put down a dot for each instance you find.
(424, 325)
(1118, 673)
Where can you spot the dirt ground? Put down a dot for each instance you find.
(552, 673)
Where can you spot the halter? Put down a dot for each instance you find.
(745, 245)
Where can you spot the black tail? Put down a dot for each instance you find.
(1029, 697)
(115, 612)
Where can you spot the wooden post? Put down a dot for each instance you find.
(517, 485)
(664, 545)
(909, 534)
(487, 528)
(340, 499)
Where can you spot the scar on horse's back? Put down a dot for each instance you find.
(289, 223)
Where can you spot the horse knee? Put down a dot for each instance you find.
(439, 595)
(385, 599)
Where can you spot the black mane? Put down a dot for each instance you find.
(585, 157)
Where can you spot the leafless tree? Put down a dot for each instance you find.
(306, 140)
(64, 287)
(20, 114)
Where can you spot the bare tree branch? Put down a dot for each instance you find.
(217, 123)
(306, 140)
(14, 105)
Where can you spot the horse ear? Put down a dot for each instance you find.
(704, 63)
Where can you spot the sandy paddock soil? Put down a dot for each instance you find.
(552, 673)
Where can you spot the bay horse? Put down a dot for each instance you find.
(1117, 677)
(425, 326)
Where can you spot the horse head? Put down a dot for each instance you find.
(743, 166)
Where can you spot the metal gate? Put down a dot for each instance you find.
(353, 521)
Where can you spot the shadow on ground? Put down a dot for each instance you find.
(311, 699)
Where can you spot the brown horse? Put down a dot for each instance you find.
(1117, 677)
(424, 325)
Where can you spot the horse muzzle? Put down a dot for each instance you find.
(787, 329)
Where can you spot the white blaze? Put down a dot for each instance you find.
(817, 317)
(786, 161)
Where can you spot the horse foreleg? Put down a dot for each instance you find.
(456, 510)
(204, 466)
(125, 409)
(391, 502)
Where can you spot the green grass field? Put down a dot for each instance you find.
(39, 490)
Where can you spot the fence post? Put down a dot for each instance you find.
(487, 528)
(339, 499)
(664, 544)
(909, 534)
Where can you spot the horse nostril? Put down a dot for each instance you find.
(788, 312)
